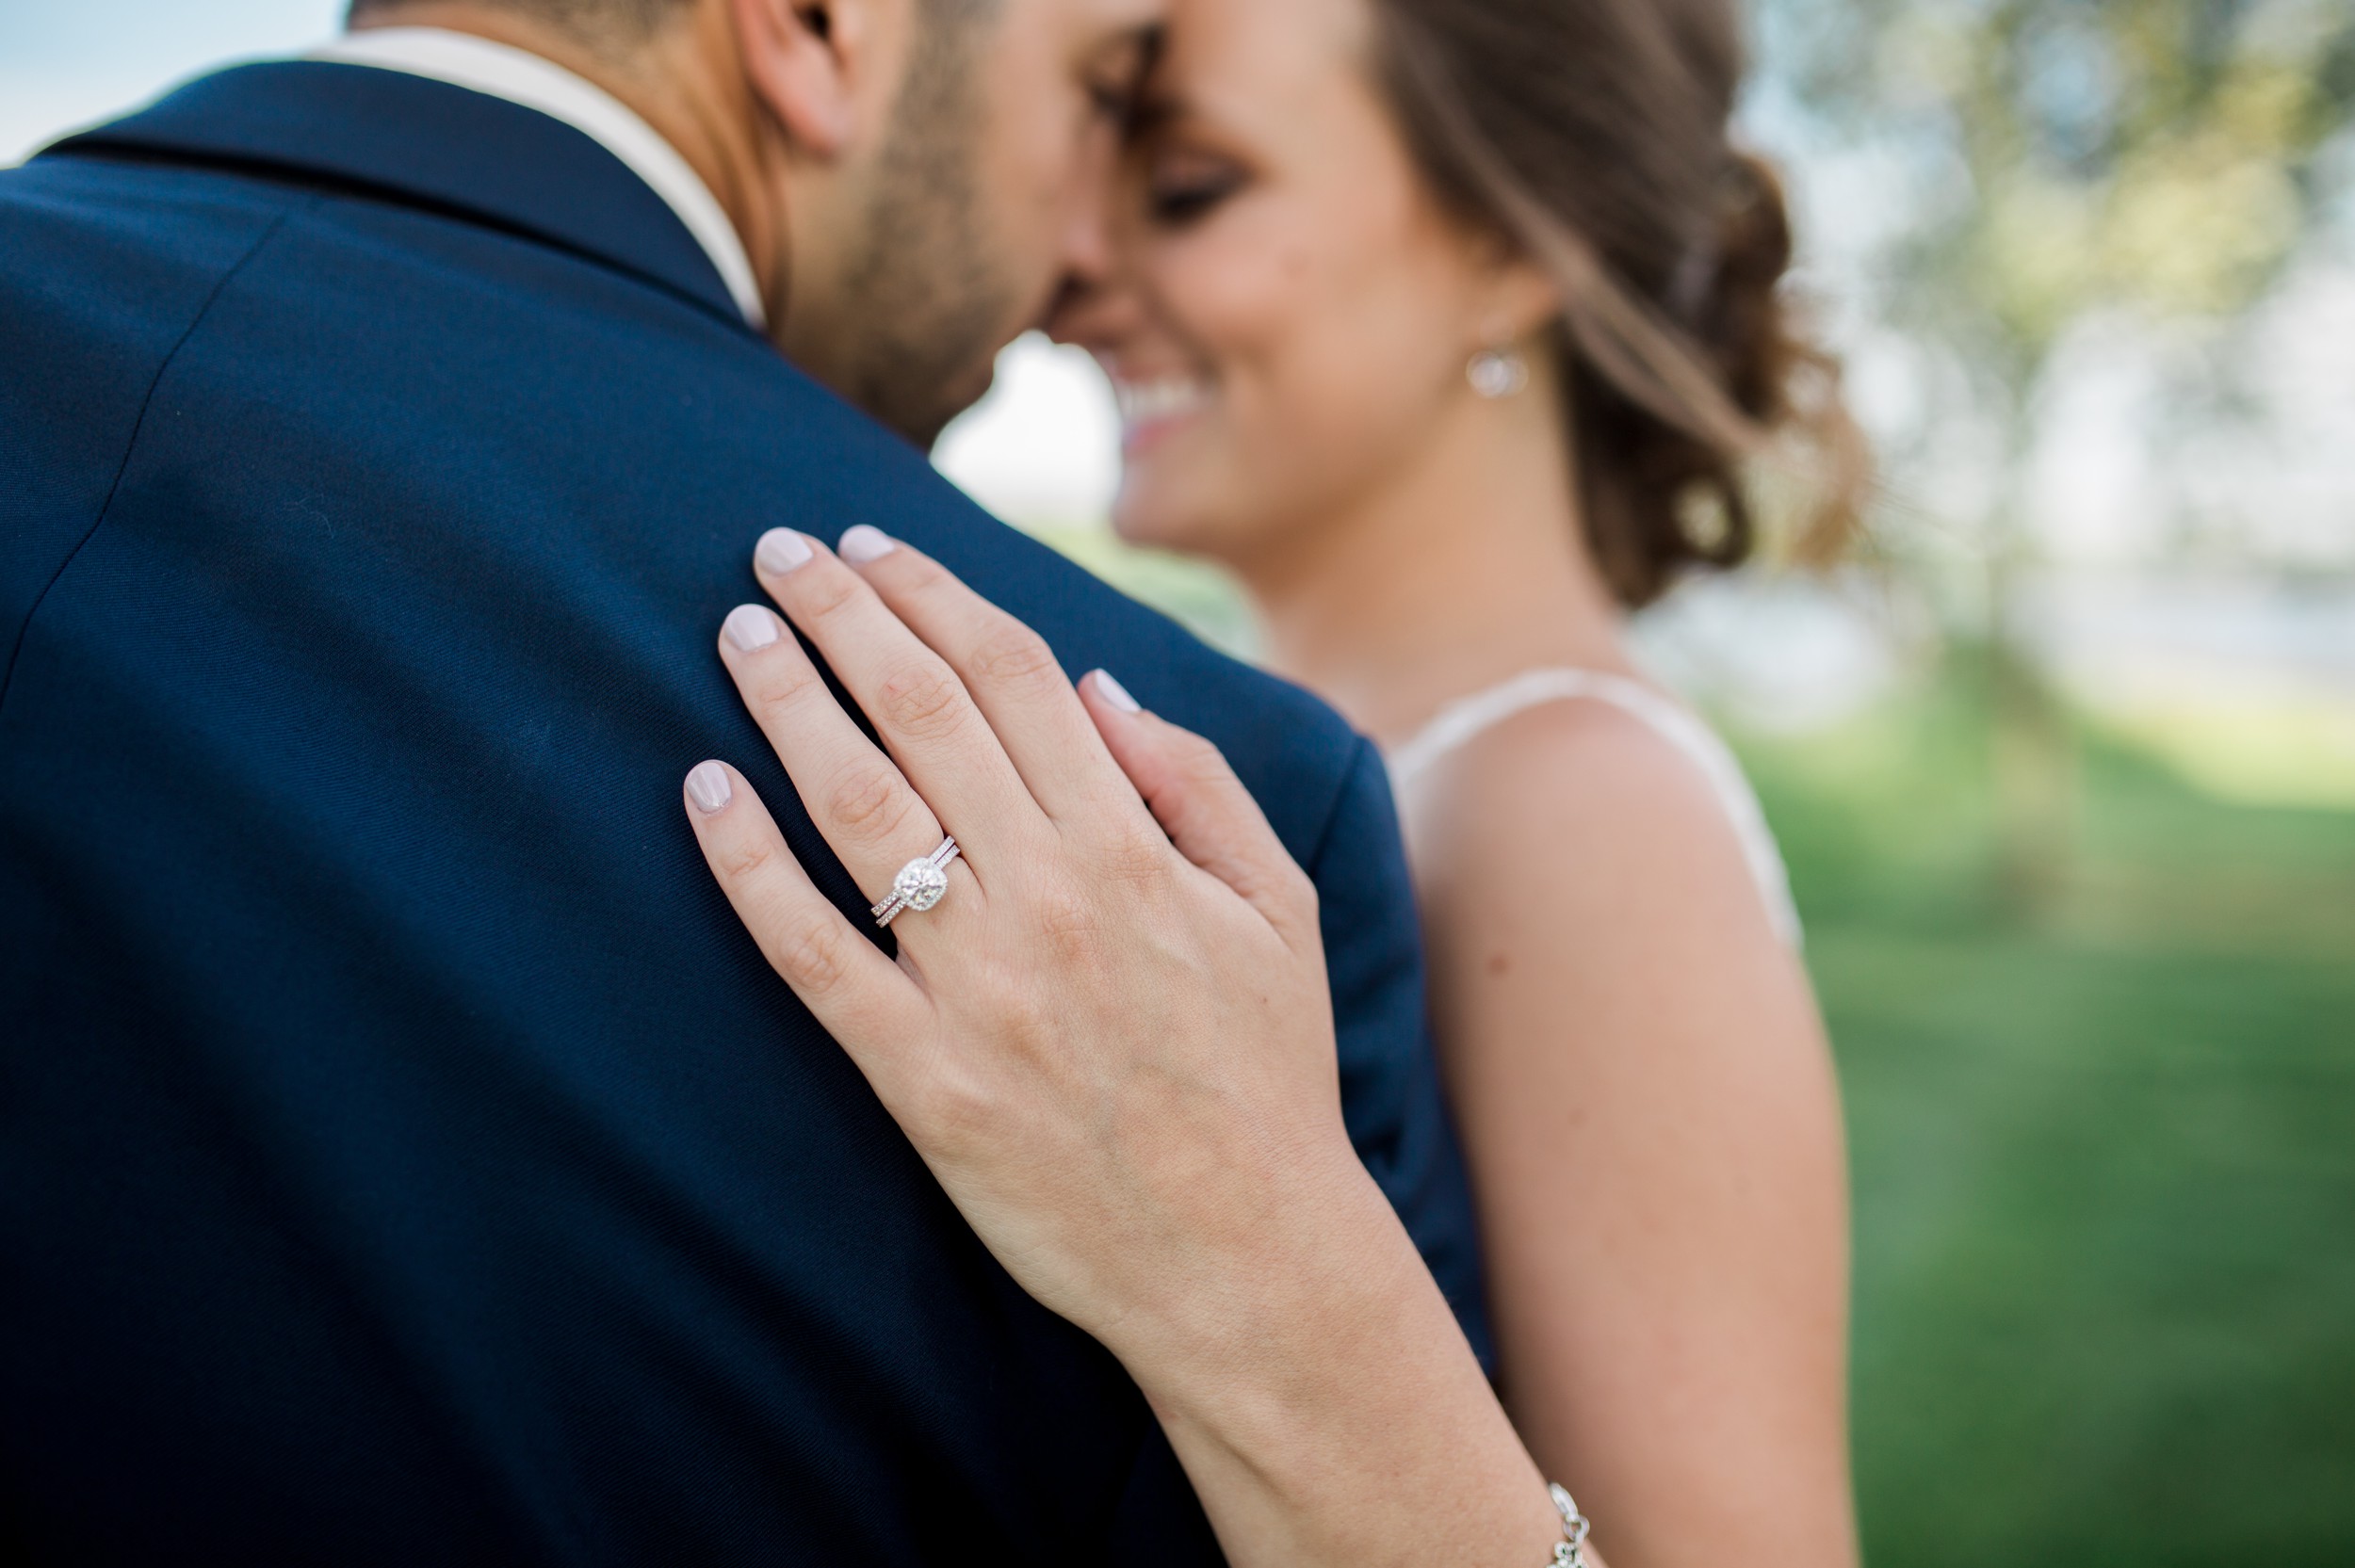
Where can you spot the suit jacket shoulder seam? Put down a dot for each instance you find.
(139, 426)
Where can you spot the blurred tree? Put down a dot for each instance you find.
(2034, 166)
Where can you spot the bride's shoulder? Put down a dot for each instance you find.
(1586, 810)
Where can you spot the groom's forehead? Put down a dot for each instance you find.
(1099, 23)
(1111, 44)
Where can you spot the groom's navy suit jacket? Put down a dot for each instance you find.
(405, 1157)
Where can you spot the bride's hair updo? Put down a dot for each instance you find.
(1592, 135)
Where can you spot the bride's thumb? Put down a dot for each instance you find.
(1200, 803)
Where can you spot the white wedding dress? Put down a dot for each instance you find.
(1460, 722)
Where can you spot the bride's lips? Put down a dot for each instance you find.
(1152, 407)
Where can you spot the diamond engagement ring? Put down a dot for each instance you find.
(920, 886)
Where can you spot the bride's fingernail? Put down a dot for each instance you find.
(709, 789)
(862, 544)
(781, 550)
(750, 628)
(1117, 694)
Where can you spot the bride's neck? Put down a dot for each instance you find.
(1464, 566)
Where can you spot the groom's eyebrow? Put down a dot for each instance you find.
(1122, 65)
(1144, 46)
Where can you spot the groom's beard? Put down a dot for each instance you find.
(925, 306)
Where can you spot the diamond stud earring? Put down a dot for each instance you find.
(1496, 372)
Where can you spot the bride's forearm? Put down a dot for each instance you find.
(1327, 1407)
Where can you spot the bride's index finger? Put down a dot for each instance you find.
(863, 999)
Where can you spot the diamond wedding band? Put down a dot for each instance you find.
(920, 886)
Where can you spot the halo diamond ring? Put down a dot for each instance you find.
(920, 886)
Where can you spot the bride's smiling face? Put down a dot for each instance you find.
(1290, 314)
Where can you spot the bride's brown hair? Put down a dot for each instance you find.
(1592, 135)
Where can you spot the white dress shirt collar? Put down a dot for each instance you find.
(464, 60)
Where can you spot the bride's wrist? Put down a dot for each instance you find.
(1329, 1408)
(1251, 1351)
(1249, 1254)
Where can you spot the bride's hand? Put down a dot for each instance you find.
(1112, 1042)
(1110, 1057)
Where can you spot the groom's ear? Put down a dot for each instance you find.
(810, 62)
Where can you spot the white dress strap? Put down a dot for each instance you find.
(1458, 724)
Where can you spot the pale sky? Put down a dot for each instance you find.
(64, 63)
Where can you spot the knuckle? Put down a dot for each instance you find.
(1022, 1014)
(953, 1107)
(1010, 654)
(919, 572)
(806, 949)
(1136, 857)
(825, 595)
(1066, 915)
(921, 699)
(785, 687)
(1072, 925)
(868, 801)
(1299, 890)
(1202, 761)
(737, 862)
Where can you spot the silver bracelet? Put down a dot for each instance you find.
(1571, 1553)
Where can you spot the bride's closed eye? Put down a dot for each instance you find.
(1183, 187)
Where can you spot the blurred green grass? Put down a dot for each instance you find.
(2104, 1152)
(2104, 1162)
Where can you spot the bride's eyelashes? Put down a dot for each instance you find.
(1184, 190)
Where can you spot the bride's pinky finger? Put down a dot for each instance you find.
(867, 1002)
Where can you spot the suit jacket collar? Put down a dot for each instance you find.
(396, 135)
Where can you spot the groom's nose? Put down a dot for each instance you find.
(1087, 249)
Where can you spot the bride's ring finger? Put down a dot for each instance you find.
(862, 804)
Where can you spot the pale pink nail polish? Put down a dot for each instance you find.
(781, 550)
(862, 544)
(709, 789)
(751, 628)
(1117, 694)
